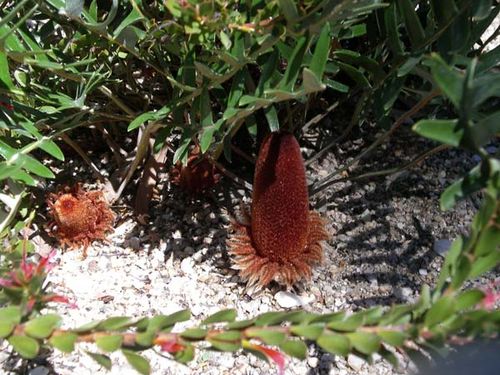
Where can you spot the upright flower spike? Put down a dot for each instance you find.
(283, 240)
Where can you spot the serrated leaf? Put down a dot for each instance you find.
(309, 331)
(194, 333)
(65, 342)
(295, 348)
(114, 323)
(109, 343)
(27, 347)
(440, 311)
(335, 344)
(101, 359)
(138, 362)
(228, 315)
(42, 326)
(364, 342)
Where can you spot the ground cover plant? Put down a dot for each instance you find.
(146, 79)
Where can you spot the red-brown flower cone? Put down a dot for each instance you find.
(283, 241)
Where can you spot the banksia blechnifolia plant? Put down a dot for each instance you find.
(79, 217)
(283, 239)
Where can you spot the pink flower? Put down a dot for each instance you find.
(491, 295)
(60, 299)
(170, 344)
(271, 354)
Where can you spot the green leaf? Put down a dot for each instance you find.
(5, 79)
(311, 82)
(109, 343)
(101, 359)
(272, 118)
(394, 338)
(350, 323)
(228, 315)
(309, 331)
(185, 355)
(183, 150)
(241, 324)
(145, 338)
(486, 129)
(228, 341)
(294, 64)
(160, 322)
(444, 131)
(138, 362)
(87, 326)
(469, 299)
(321, 51)
(115, 323)
(26, 346)
(335, 344)
(484, 264)
(268, 335)
(463, 187)
(448, 79)
(273, 318)
(10, 316)
(412, 22)
(364, 342)
(289, 10)
(42, 326)
(194, 333)
(488, 241)
(440, 311)
(295, 348)
(65, 342)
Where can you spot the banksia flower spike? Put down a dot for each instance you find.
(283, 240)
(79, 217)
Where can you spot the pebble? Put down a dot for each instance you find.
(288, 300)
(441, 247)
(40, 370)
(313, 362)
(187, 266)
(422, 272)
(403, 293)
(355, 362)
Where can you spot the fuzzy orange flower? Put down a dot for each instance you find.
(283, 240)
(78, 216)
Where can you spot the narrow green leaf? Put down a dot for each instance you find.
(160, 322)
(228, 315)
(289, 10)
(445, 131)
(272, 118)
(412, 22)
(449, 80)
(27, 347)
(138, 362)
(321, 52)
(186, 355)
(335, 344)
(311, 82)
(109, 343)
(463, 187)
(42, 326)
(484, 264)
(183, 150)
(241, 324)
(294, 64)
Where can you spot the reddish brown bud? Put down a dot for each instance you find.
(283, 241)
